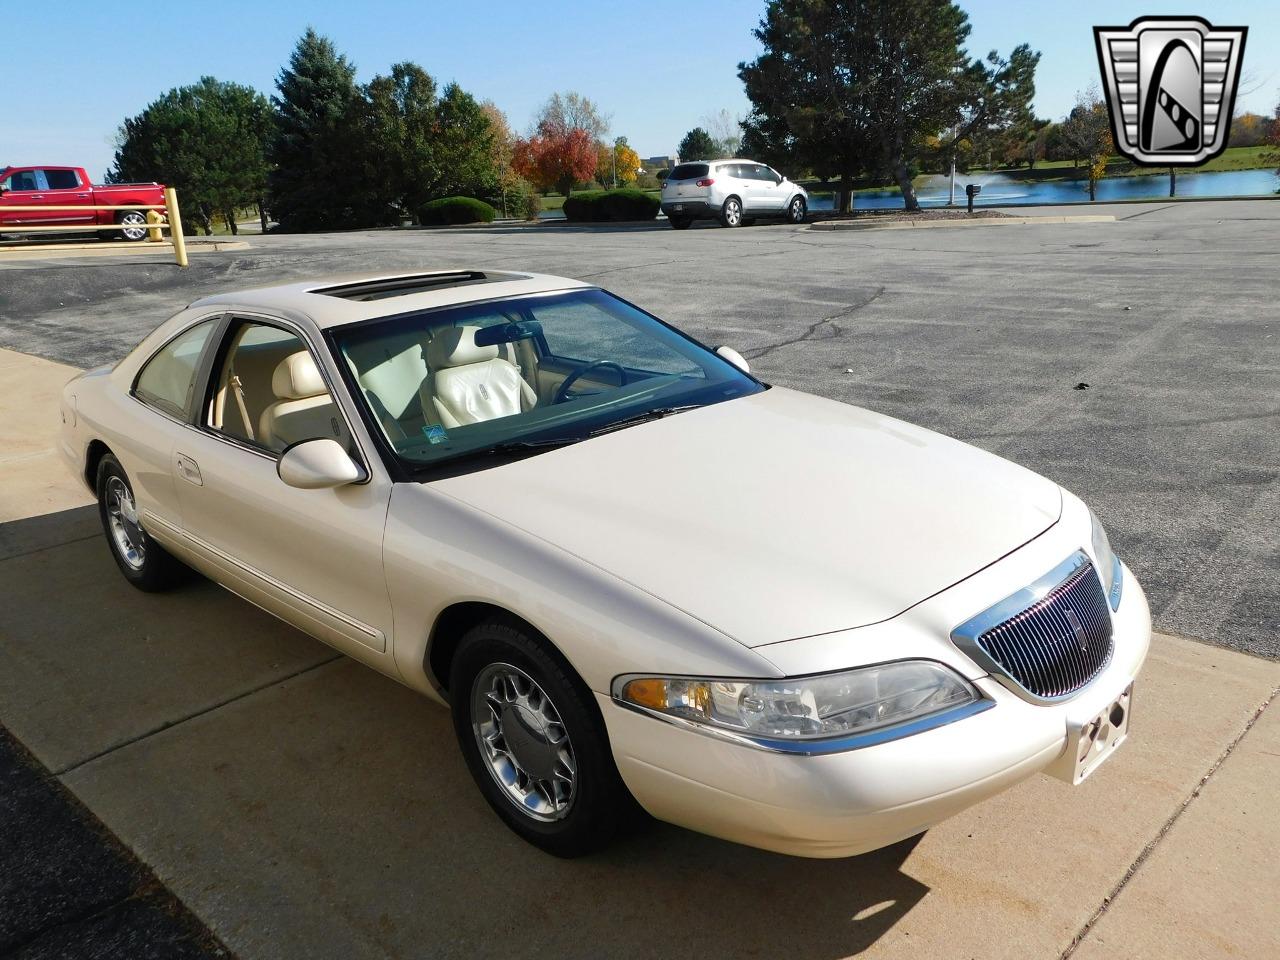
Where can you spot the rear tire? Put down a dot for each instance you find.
(680, 223)
(731, 212)
(534, 741)
(144, 563)
(134, 223)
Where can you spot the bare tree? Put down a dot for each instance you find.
(726, 130)
(573, 111)
(1087, 133)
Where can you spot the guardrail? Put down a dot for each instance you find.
(171, 221)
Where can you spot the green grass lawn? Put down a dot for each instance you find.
(1233, 158)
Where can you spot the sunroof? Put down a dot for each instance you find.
(364, 291)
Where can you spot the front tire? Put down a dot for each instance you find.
(731, 212)
(534, 741)
(796, 210)
(133, 225)
(144, 563)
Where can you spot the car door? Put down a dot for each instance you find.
(767, 188)
(62, 188)
(21, 189)
(742, 183)
(313, 557)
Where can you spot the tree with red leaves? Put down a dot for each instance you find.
(562, 151)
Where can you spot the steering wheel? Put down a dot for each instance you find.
(562, 392)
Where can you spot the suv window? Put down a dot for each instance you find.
(61, 179)
(760, 172)
(22, 180)
(168, 379)
(689, 171)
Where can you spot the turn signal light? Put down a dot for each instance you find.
(706, 181)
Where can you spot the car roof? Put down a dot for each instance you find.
(333, 301)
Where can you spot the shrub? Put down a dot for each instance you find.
(598, 206)
(455, 210)
(663, 173)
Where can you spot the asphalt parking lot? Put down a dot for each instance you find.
(1135, 362)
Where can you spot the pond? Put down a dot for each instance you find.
(999, 189)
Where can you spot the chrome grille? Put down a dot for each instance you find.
(1051, 647)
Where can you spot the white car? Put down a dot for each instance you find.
(637, 574)
(731, 191)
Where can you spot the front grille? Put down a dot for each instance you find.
(1057, 645)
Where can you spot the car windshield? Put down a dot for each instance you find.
(514, 376)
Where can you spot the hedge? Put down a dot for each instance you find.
(598, 206)
(456, 210)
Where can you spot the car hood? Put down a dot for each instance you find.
(774, 516)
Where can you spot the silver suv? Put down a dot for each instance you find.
(732, 191)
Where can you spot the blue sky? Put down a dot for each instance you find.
(657, 66)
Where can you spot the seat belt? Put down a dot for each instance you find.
(238, 389)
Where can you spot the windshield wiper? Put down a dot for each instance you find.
(657, 413)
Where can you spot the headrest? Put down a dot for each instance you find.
(456, 347)
(296, 378)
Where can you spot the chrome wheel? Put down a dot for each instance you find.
(523, 742)
(127, 536)
(732, 213)
(796, 211)
(133, 225)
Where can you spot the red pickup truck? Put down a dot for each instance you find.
(70, 187)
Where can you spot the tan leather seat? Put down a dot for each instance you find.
(470, 383)
(303, 409)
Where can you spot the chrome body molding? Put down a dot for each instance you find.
(312, 607)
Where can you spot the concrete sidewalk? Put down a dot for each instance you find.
(301, 805)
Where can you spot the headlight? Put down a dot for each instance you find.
(1108, 563)
(774, 713)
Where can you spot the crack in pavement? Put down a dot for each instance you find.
(170, 724)
(1150, 848)
(813, 329)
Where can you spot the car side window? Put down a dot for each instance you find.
(61, 179)
(22, 180)
(269, 391)
(168, 380)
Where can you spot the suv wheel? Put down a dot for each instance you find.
(796, 210)
(731, 212)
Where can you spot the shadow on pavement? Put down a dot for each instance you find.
(328, 812)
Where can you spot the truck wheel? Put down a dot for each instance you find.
(134, 224)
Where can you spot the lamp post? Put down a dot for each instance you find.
(951, 199)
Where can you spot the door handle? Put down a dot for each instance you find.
(189, 470)
(36, 196)
(82, 196)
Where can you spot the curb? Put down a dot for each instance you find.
(115, 249)
(979, 222)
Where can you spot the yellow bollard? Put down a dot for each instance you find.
(153, 231)
(175, 226)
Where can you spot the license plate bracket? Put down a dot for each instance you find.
(1094, 738)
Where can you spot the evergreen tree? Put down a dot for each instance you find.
(697, 145)
(324, 177)
(207, 140)
(858, 86)
(464, 147)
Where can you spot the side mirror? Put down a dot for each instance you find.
(734, 357)
(318, 465)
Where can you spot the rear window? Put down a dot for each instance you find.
(62, 179)
(689, 171)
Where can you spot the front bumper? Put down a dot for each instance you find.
(841, 804)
